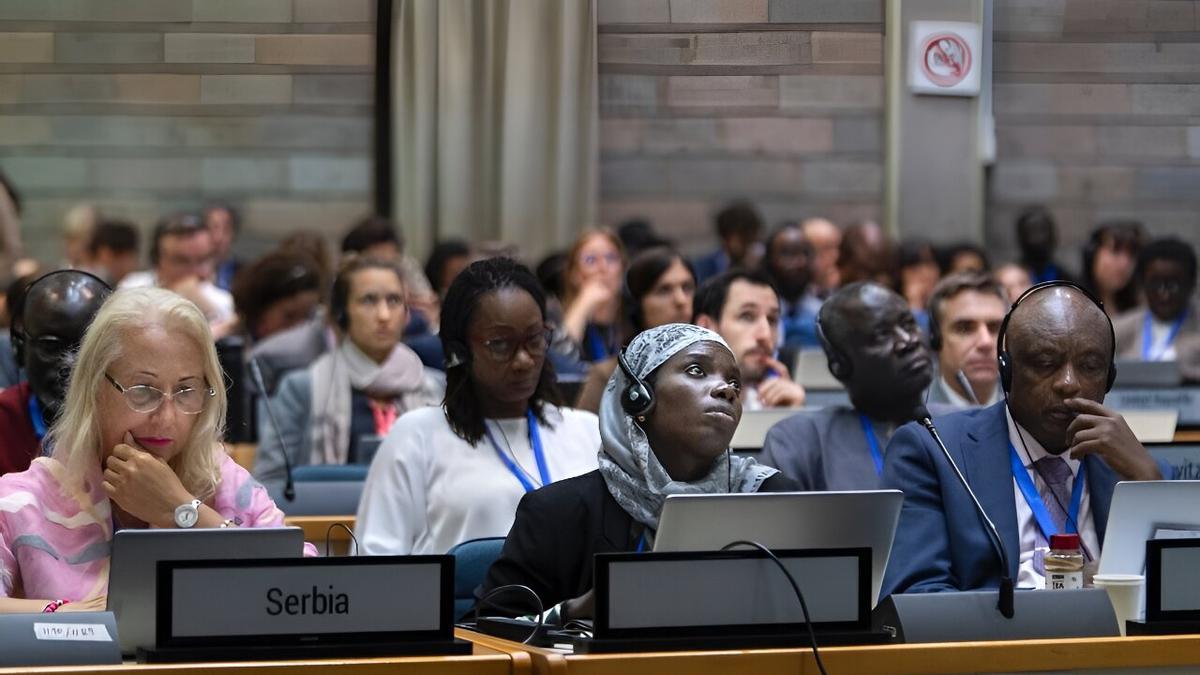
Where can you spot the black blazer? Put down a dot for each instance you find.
(557, 533)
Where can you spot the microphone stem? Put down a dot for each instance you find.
(1005, 602)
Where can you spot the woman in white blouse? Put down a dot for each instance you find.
(451, 474)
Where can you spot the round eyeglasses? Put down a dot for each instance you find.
(143, 398)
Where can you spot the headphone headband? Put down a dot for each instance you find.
(1004, 359)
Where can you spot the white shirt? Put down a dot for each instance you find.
(1159, 332)
(961, 402)
(219, 299)
(427, 489)
(1029, 534)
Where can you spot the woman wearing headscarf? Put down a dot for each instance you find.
(678, 444)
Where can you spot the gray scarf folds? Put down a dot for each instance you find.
(336, 374)
(634, 476)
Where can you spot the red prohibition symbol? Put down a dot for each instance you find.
(946, 59)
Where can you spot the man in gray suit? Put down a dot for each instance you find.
(874, 348)
(965, 311)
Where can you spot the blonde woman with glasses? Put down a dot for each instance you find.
(137, 445)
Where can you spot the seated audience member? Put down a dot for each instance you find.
(964, 257)
(182, 256)
(1037, 237)
(595, 266)
(338, 410)
(1109, 259)
(918, 272)
(739, 227)
(866, 254)
(114, 250)
(661, 289)
(10, 370)
(78, 224)
(448, 258)
(450, 474)
(1014, 279)
(279, 291)
(136, 445)
(743, 308)
(874, 348)
(223, 221)
(676, 443)
(825, 239)
(638, 235)
(1058, 346)
(376, 237)
(965, 311)
(1166, 271)
(787, 262)
(48, 324)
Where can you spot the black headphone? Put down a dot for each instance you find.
(637, 399)
(839, 366)
(935, 330)
(1004, 359)
(17, 337)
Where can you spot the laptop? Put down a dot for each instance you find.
(1142, 510)
(785, 520)
(135, 554)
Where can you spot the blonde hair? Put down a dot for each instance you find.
(76, 434)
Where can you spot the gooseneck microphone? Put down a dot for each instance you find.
(1005, 604)
(289, 486)
(963, 382)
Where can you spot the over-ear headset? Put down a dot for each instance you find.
(637, 399)
(935, 330)
(1004, 359)
(839, 366)
(456, 354)
(17, 337)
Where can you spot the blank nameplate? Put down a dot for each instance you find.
(738, 591)
(58, 639)
(1172, 591)
(311, 601)
(1152, 426)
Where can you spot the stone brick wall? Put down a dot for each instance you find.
(780, 101)
(1097, 106)
(146, 106)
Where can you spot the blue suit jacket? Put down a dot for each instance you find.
(941, 543)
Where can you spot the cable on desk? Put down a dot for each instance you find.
(812, 635)
(329, 532)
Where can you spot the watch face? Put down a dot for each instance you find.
(186, 515)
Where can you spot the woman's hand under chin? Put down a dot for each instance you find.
(143, 485)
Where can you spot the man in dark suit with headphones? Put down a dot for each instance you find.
(1044, 461)
(48, 323)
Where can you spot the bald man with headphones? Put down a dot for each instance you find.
(1043, 461)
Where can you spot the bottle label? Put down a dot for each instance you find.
(1060, 581)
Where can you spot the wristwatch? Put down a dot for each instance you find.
(186, 515)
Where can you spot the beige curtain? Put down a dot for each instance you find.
(495, 121)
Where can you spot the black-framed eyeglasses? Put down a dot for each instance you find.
(143, 398)
(503, 350)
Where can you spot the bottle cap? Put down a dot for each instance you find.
(1064, 542)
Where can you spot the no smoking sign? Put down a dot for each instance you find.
(943, 58)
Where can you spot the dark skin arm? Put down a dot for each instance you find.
(1102, 432)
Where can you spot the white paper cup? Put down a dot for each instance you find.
(1125, 592)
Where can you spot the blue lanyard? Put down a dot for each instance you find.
(641, 546)
(597, 346)
(535, 440)
(1148, 336)
(1034, 500)
(876, 454)
(35, 416)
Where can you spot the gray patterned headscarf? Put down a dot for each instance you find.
(634, 476)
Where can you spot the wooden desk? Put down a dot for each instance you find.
(316, 527)
(484, 661)
(1111, 654)
(1187, 435)
(243, 454)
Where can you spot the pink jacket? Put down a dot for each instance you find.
(56, 546)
